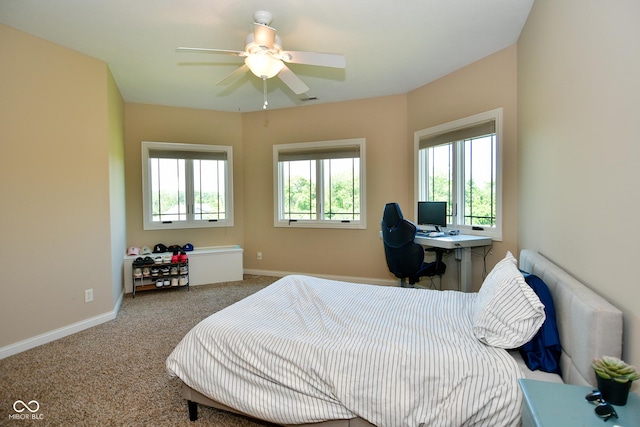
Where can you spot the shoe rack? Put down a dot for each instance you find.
(160, 271)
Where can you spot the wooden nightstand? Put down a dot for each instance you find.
(551, 404)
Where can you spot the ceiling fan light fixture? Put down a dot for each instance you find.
(263, 55)
(264, 65)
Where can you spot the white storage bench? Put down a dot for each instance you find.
(211, 264)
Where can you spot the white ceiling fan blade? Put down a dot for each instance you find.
(235, 74)
(263, 35)
(206, 50)
(290, 79)
(334, 60)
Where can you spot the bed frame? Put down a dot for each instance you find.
(589, 327)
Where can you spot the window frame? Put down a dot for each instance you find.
(458, 192)
(278, 195)
(191, 222)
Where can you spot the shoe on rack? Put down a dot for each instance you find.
(183, 256)
(138, 262)
(182, 281)
(146, 272)
(175, 258)
(174, 281)
(174, 270)
(159, 283)
(137, 273)
(167, 282)
(184, 269)
(155, 271)
(166, 259)
(157, 260)
(148, 260)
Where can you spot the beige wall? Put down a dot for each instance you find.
(54, 170)
(482, 86)
(117, 203)
(169, 124)
(332, 252)
(579, 146)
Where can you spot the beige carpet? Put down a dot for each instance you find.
(114, 374)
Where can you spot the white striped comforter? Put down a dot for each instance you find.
(306, 350)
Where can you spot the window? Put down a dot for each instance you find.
(320, 184)
(186, 185)
(459, 163)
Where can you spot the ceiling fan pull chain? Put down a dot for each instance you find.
(264, 85)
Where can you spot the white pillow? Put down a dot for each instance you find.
(506, 313)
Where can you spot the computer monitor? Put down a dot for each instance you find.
(432, 213)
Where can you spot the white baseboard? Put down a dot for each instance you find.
(352, 279)
(56, 334)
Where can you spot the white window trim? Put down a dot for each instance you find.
(496, 114)
(361, 224)
(148, 223)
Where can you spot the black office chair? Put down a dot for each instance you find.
(405, 258)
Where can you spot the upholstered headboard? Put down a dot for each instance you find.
(589, 326)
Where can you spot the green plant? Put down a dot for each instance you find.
(612, 368)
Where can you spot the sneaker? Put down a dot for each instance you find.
(164, 271)
(184, 269)
(174, 270)
(183, 256)
(155, 271)
(138, 262)
(146, 272)
(159, 283)
(148, 260)
(182, 281)
(137, 273)
(175, 258)
(166, 259)
(174, 281)
(167, 282)
(157, 260)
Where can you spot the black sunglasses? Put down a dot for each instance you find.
(603, 408)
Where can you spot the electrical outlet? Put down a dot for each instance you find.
(88, 295)
(259, 256)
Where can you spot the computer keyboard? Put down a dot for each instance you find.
(431, 233)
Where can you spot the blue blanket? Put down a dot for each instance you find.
(543, 351)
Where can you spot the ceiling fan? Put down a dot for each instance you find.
(265, 58)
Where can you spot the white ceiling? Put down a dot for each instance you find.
(391, 46)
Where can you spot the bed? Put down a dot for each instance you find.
(311, 351)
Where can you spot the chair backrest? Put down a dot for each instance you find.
(396, 231)
(404, 256)
(392, 215)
